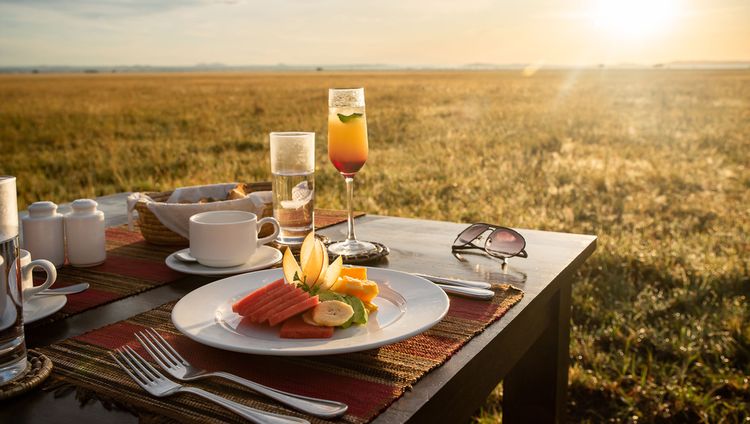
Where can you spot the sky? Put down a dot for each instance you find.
(388, 32)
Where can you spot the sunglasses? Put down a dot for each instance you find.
(501, 243)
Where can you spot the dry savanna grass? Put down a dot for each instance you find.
(654, 162)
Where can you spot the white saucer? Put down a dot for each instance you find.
(264, 257)
(39, 307)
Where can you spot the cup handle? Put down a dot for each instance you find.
(49, 268)
(276, 229)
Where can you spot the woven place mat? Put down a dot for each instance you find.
(367, 381)
(38, 368)
(132, 266)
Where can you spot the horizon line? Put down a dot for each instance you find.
(540, 64)
(537, 66)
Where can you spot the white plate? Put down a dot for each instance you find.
(407, 306)
(39, 307)
(264, 257)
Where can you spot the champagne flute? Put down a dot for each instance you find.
(347, 150)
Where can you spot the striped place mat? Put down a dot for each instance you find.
(133, 266)
(367, 381)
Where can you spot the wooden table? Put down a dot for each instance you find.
(527, 349)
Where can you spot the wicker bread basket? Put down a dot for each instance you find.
(156, 233)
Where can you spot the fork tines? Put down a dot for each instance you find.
(137, 368)
(159, 349)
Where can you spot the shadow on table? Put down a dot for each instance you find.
(492, 269)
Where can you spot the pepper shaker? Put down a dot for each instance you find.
(84, 231)
(43, 233)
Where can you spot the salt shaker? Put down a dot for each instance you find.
(84, 232)
(43, 233)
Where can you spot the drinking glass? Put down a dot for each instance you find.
(293, 175)
(347, 150)
(12, 345)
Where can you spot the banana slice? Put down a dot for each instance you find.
(332, 313)
(307, 317)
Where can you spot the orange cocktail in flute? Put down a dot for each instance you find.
(347, 149)
(347, 139)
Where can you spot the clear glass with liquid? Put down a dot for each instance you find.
(293, 180)
(12, 342)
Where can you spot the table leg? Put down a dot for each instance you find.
(535, 390)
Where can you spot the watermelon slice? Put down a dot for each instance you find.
(257, 295)
(271, 299)
(282, 304)
(297, 328)
(293, 310)
(271, 303)
(268, 297)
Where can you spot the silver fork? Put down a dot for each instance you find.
(176, 366)
(157, 385)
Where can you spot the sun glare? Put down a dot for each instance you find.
(635, 18)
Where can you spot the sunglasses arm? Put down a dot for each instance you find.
(466, 247)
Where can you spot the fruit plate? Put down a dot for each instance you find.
(407, 305)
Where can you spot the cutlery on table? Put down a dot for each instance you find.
(466, 288)
(185, 257)
(176, 366)
(455, 282)
(75, 288)
(157, 385)
(471, 292)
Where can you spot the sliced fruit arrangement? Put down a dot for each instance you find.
(314, 297)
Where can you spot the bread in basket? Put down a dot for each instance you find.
(163, 217)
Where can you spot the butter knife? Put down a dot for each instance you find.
(472, 292)
(455, 282)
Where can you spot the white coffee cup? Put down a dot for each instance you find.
(227, 238)
(27, 279)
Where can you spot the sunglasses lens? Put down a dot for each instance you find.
(469, 234)
(505, 242)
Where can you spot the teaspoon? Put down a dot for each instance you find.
(75, 288)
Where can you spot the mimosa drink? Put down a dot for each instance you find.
(347, 139)
(347, 150)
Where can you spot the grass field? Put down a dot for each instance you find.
(655, 163)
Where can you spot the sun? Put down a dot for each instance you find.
(635, 18)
